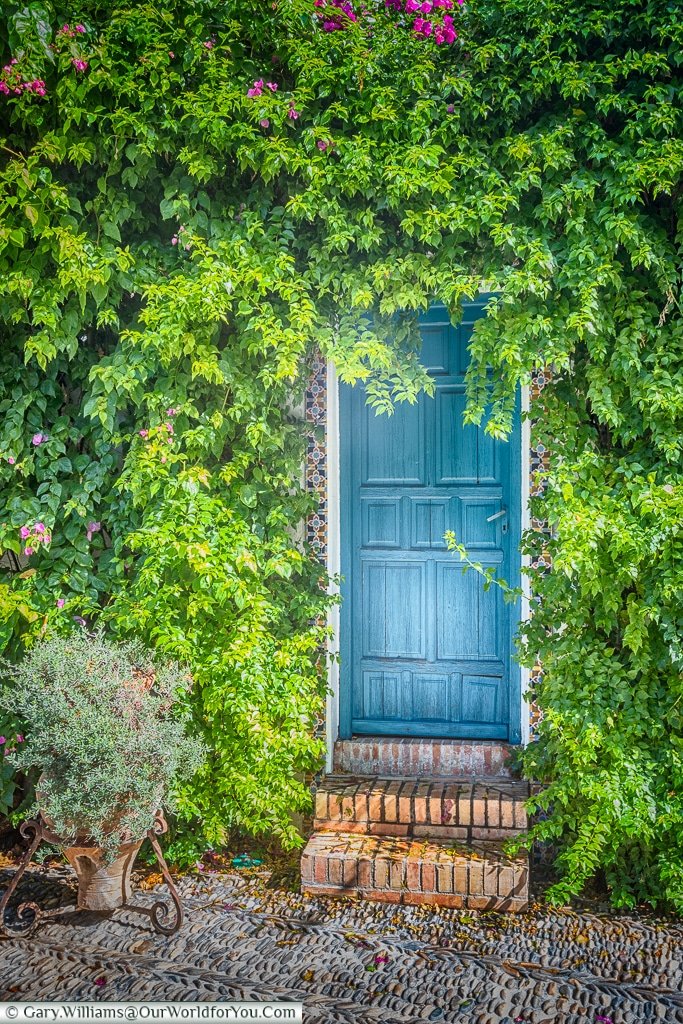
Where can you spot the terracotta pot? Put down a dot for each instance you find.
(103, 884)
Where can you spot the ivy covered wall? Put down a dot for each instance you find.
(194, 197)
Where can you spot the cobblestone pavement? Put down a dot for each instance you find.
(354, 961)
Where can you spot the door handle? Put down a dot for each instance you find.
(497, 515)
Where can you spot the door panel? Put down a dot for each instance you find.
(426, 651)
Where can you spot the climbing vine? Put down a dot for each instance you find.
(196, 196)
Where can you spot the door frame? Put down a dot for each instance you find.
(337, 619)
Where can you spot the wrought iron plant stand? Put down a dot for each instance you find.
(102, 886)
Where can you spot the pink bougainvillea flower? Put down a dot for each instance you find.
(272, 86)
(172, 411)
(322, 145)
(28, 552)
(426, 7)
(174, 240)
(143, 433)
(450, 109)
(20, 738)
(80, 28)
(2, 740)
(11, 460)
(93, 528)
(171, 54)
(208, 44)
(80, 65)
(24, 532)
(264, 122)
(38, 439)
(60, 602)
(292, 113)
(39, 527)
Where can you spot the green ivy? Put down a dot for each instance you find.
(539, 157)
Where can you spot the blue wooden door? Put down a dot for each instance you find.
(425, 650)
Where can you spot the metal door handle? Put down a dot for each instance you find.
(497, 515)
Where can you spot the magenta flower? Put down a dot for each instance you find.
(2, 740)
(172, 411)
(426, 7)
(60, 602)
(24, 532)
(322, 145)
(272, 86)
(209, 44)
(174, 240)
(93, 528)
(264, 122)
(292, 113)
(450, 109)
(20, 738)
(80, 28)
(382, 958)
(603, 1020)
(80, 65)
(39, 527)
(39, 439)
(28, 552)
(100, 982)
(143, 433)
(11, 460)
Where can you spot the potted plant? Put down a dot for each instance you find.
(105, 731)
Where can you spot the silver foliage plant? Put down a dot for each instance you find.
(105, 732)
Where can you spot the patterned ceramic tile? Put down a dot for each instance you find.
(316, 455)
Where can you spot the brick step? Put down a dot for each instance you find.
(478, 876)
(436, 808)
(400, 756)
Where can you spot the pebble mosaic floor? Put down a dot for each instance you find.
(355, 961)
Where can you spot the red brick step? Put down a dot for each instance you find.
(405, 757)
(478, 876)
(419, 808)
